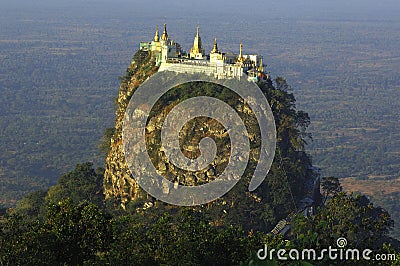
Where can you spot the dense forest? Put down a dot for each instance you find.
(59, 63)
(73, 224)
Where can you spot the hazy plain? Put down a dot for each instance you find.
(60, 62)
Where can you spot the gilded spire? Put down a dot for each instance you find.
(156, 36)
(197, 46)
(240, 58)
(261, 66)
(164, 36)
(215, 48)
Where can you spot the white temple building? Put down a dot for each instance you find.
(169, 57)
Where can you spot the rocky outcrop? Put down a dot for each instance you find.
(273, 199)
(118, 182)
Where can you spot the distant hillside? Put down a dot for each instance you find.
(58, 74)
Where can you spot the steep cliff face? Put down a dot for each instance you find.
(118, 182)
(285, 185)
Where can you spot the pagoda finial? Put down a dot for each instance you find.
(156, 36)
(164, 36)
(261, 66)
(240, 58)
(197, 50)
(215, 48)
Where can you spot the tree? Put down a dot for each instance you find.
(81, 184)
(25, 241)
(105, 141)
(81, 232)
(330, 186)
(352, 217)
(33, 204)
